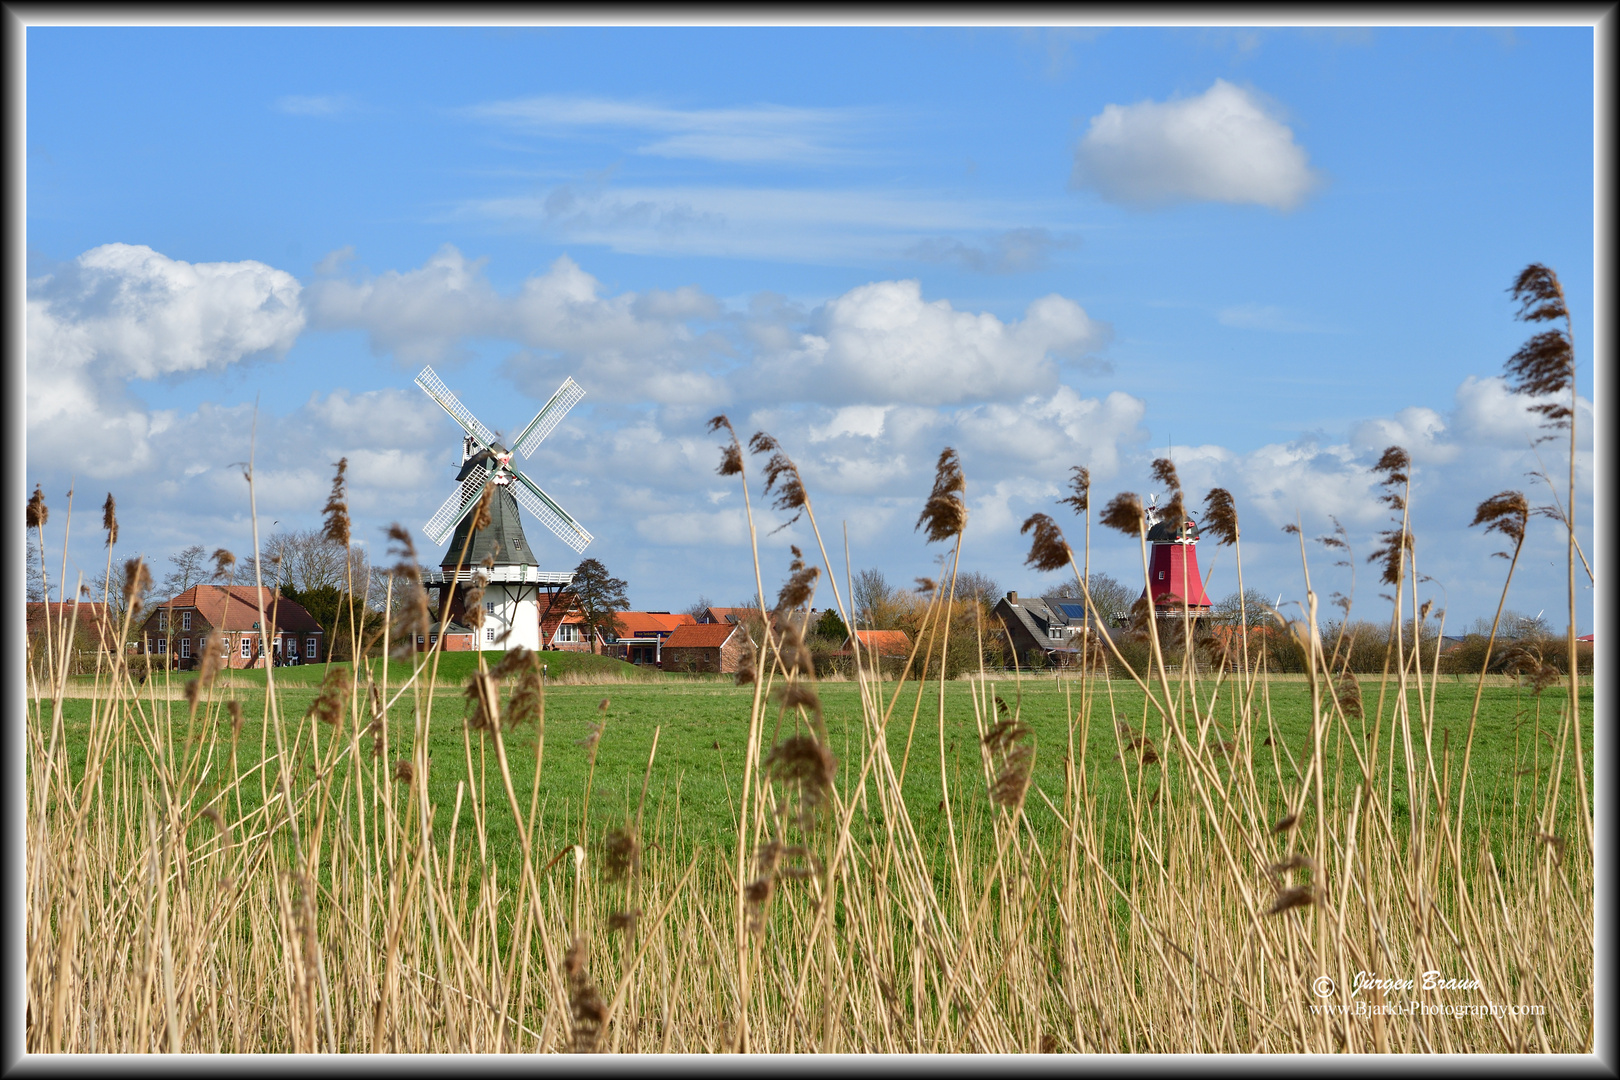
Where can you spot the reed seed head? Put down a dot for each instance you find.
(336, 524)
(1220, 516)
(331, 702)
(38, 513)
(1009, 745)
(1048, 550)
(1124, 512)
(1298, 896)
(1286, 822)
(1079, 498)
(945, 512)
(109, 519)
(1506, 513)
(1348, 693)
(1164, 472)
(621, 855)
(585, 1002)
(404, 772)
(234, 709)
(799, 587)
(137, 579)
(223, 562)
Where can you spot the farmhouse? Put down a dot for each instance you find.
(714, 647)
(456, 638)
(228, 616)
(1051, 628)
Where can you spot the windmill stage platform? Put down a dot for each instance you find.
(500, 575)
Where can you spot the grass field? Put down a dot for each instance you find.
(703, 730)
(608, 859)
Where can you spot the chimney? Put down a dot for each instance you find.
(1012, 598)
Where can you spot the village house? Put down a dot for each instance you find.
(642, 635)
(94, 630)
(706, 648)
(227, 617)
(1050, 628)
(456, 638)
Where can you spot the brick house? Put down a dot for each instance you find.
(457, 638)
(94, 629)
(727, 614)
(228, 615)
(713, 647)
(1054, 628)
(642, 635)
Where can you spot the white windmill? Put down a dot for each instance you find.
(515, 583)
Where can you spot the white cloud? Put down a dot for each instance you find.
(1225, 145)
(882, 343)
(759, 134)
(121, 312)
(1264, 317)
(627, 347)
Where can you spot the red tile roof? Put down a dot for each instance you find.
(884, 642)
(647, 623)
(90, 616)
(236, 608)
(700, 636)
(731, 614)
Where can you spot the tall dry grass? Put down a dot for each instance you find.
(179, 899)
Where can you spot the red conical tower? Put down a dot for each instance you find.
(1173, 574)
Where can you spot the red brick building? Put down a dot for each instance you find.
(715, 647)
(227, 617)
(642, 635)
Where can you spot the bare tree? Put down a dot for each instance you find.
(875, 599)
(698, 607)
(977, 585)
(1111, 596)
(191, 566)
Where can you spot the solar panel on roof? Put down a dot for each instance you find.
(1072, 611)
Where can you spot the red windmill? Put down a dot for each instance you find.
(1173, 575)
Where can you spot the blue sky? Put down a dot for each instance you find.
(1272, 251)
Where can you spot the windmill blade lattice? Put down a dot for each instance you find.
(554, 517)
(566, 397)
(430, 382)
(493, 464)
(444, 521)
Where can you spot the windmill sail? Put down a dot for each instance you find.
(566, 397)
(552, 516)
(439, 392)
(449, 515)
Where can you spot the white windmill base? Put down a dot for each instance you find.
(511, 599)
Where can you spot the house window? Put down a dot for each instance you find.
(1161, 575)
(185, 620)
(309, 648)
(419, 639)
(247, 648)
(163, 619)
(489, 607)
(567, 632)
(433, 639)
(162, 645)
(1054, 632)
(185, 648)
(489, 633)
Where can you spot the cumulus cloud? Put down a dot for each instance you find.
(1226, 145)
(634, 346)
(121, 312)
(883, 343)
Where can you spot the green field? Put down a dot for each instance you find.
(702, 730)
